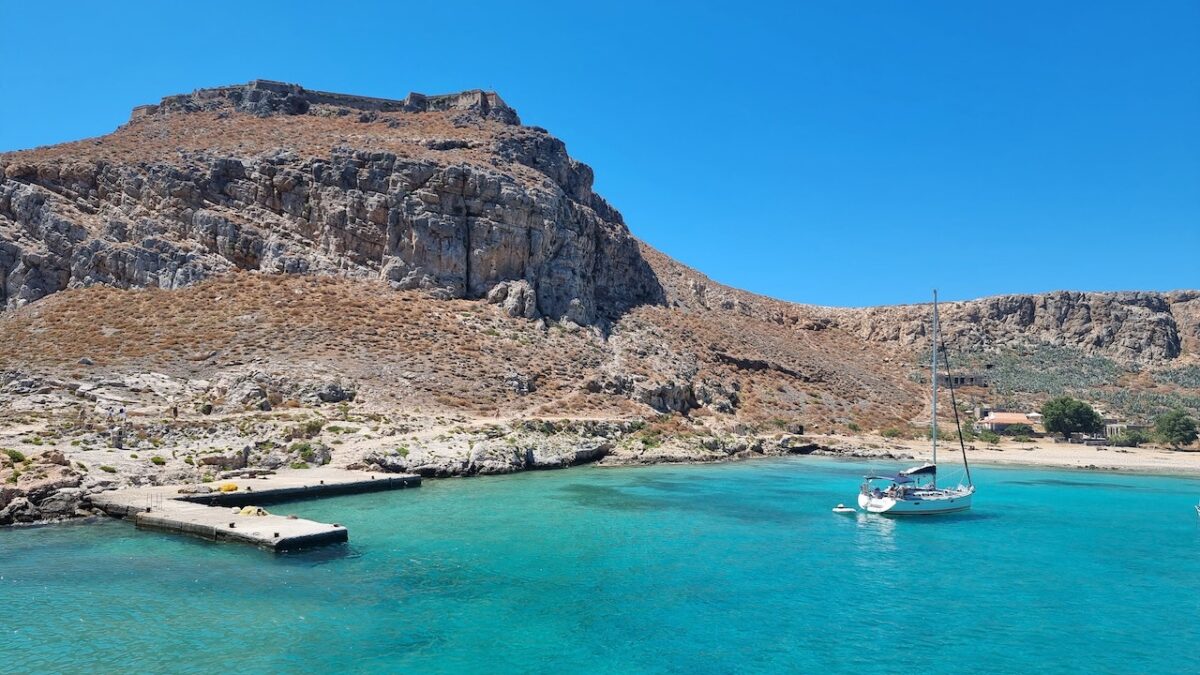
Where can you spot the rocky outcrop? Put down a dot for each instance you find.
(40, 488)
(1135, 326)
(519, 215)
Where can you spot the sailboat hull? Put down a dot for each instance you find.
(919, 504)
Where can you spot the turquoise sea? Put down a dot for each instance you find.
(693, 569)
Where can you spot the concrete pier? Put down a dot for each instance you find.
(210, 516)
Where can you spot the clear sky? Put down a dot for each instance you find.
(843, 153)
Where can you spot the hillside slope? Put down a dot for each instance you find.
(237, 261)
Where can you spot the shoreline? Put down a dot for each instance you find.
(1046, 454)
(56, 485)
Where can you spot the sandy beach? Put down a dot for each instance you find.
(1040, 452)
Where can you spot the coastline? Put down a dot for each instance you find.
(68, 466)
(1044, 453)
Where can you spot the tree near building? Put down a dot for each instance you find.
(1066, 416)
(1175, 428)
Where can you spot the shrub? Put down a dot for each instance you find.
(133, 455)
(890, 432)
(1188, 376)
(157, 461)
(1018, 430)
(189, 460)
(1175, 428)
(1023, 438)
(299, 465)
(1130, 438)
(854, 427)
(205, 408)
(989, 436)
(402, 451)
(107, 469)
(14, 455)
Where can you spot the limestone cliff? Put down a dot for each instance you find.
(1134, 326)
(444, 193)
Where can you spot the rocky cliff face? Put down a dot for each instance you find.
(1132, 326)
(447, 193)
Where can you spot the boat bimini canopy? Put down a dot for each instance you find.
(899, 480)
(923, 470)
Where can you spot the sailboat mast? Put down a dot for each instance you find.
(934, 377)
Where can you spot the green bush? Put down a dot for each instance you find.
(299, 465)
(854, 427)
(402, 451)
(189, 460)
(107, 469)
(1188, 376)
(157, 461)
(1130, 438)
(890, 432)
(989, 437)
(1018, 430)
(1175, 428)
(14, 455)
(1023, 438)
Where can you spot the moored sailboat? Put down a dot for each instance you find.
(914, 491)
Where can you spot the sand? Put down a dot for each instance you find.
(1042, 452)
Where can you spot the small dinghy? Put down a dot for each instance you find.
(842, 508)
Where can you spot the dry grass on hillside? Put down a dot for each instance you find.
(414, 349)
(405, 349)
(163, 138)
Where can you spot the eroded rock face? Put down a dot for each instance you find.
(44, 487)
(1140, 326)
(507, 208)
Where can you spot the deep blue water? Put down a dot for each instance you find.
(694, 569)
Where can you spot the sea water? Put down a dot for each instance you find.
(694, 569)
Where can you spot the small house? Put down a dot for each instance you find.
(999, 421)
(964, 380)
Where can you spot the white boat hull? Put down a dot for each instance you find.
(922, 503)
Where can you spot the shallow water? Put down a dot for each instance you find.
(735, 567)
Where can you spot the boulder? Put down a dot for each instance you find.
(227, 461)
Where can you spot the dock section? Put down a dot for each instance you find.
(210, 515)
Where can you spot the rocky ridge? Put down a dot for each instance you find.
(504, 208)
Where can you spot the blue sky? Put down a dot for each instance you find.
(826, 152)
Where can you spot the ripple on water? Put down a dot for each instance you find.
(684, 568)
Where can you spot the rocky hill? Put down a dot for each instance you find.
(443, 193)
(239, 263)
